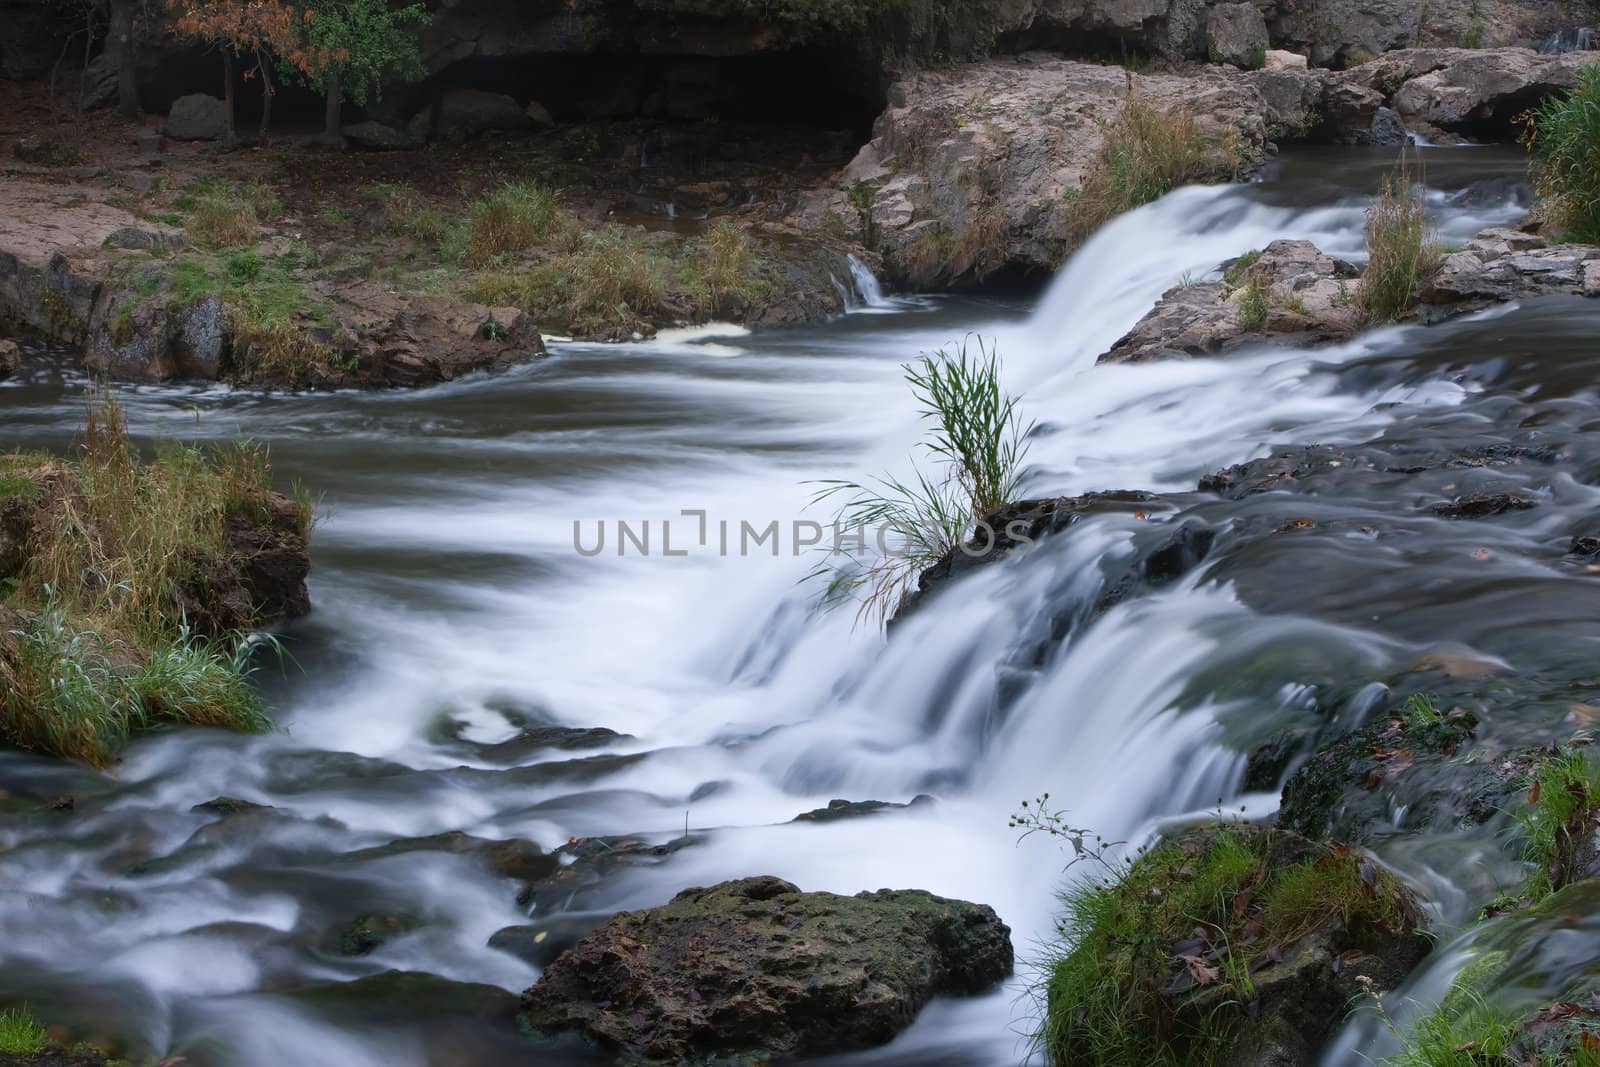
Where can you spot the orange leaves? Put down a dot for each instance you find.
(243, 26)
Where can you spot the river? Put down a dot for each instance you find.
(448, 590)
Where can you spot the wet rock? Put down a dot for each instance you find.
(1500, 265)
(198, 117)
(1313, 927)
(757, 967)
(375, 135)
(586, 862)
(262, 577)
(1017, 527)
(849, 809)
(1482, 505)
(226, 806)
(1304, 295)
(1348, 788)
(10, 358)
(1585, 545)
(1237, 34)
(533, 739)
(540, 943)
(370, 931)
(513, 858)
(411, 995)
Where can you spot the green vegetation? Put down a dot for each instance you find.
(1401, 252)
(223, 216)
(355, 46)
(723, 272)
(1473, 35)
(1564, 136)
(97, 642)
(1254, 300)
(1239, 269)
(1145, 154)
(20, 1033)
(977, 443)
(512, 219)
(268, 310)
(1194, 913)
(1563, 798)
(407, 213)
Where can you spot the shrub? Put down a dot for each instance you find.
(1564, 135)
(1254, 300)
(1564, 800)
(1145, 153)
(222, 224)
(513, 218)
(407, 213)
(614, 282)
(242, 267)
(1400, 248)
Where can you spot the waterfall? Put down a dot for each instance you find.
(1572, 39)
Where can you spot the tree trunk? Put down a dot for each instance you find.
(227, 88)
(331, 126)
(121, 34)
(266, 94)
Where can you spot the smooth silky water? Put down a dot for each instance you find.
(446, 584)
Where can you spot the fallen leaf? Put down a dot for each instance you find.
(1241, 903)
(1587, 714)
(1557, 1012)
(1589, 1040)
(1201, 971)
(1533, 792)
(1467, 1047)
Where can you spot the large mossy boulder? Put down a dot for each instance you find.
(1224, 945)
(757, 968)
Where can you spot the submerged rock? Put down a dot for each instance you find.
(56, 1056)
(757, 967)
(850, 809)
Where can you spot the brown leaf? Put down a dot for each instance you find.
(1467, 1046)
(1589, 1040)
(1241, 903)
(1533, 792)
(1557, 1012)
(1201, 971)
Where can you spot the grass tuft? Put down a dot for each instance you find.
(1145, 153)
(20, 1033)
(724, 273)
(1400, 247)
(1564, 800)
(511, 219)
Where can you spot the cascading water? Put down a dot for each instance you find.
(448, 588)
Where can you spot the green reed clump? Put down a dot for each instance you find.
(974, 448)
(1564, 136)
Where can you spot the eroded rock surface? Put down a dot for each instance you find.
(757, 967)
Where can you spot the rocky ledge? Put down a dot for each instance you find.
(755, 967)
(1290, 293)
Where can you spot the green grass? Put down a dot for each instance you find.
(724, 273)
(1475, 1037)
(1400, 247)
(1254, 300)
(1106, 980)
(20, 1033)
(226, 216)
(1240, 269)
(269, 311)
(103, 647)
(1564, 136)
(975, 446)
(1146, 152)
(1564, 795)
(512, 219)
(407, 213)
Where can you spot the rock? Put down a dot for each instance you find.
(376, 135)
(1387, 129)
(541, 943)
(140, 240)
(1305, 299)
(54, 1055)
(198, 117)
(539, 115)
(1352, 786)
(849, 809)
(512, 858)
(972, 168)
(412, 995)
(10, 358)
(1313, 928)
(1481, 505)
(757, 967)
(465, 112)
(369, 931)
(1500, 265)
(149, 142)
(1237, 34)
(227, 806)
(1483, 91)
(1278, 59)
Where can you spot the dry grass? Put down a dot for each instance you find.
(725, 274)
(1401, 250)
(219, 224)
(514, 218)
(95, 643)
(1145, 153)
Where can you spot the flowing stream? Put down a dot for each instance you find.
(448, 591)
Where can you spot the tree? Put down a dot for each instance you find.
(351, 45)
(255, 29)
(120, 34)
